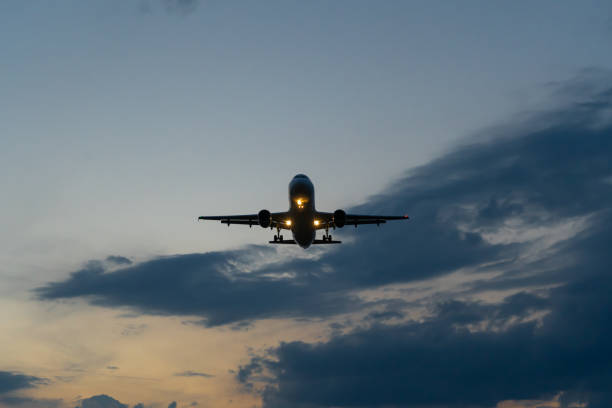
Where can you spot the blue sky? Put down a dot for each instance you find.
(122, 121)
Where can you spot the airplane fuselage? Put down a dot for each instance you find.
(302, 212)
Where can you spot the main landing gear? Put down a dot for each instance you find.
(278, 237)
(327, 237)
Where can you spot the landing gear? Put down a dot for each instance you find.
(278, 236)
(327, 237)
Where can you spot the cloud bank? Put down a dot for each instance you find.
(514, 190)
(525, 213)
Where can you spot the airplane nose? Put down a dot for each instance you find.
(299, 189)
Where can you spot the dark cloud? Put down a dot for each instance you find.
(11, 381)
(251, 371)
(472, 353)
(406, 365)
(382, 315)
(101, 401)
(519, 306)
(531, 205)
(242, 326)
(548, 170)
(210, 285)
(193, 374)
(24, 402)
(106, 401)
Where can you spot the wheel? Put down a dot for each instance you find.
(329, 238)
(275, 238)
(281, 237)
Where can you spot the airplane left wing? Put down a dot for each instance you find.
(357, 219)
(354, 219)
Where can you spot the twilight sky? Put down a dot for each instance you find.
(122, 121)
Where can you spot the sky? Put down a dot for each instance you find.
(123, 121)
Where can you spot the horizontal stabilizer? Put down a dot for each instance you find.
(285, 241)
(320, 241)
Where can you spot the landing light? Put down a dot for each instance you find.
(316, 222)
(288, 222)
(299, 202)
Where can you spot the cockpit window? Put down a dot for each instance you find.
(300, 176)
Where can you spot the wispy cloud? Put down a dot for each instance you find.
(193, 374)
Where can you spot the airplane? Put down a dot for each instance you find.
(302, 219)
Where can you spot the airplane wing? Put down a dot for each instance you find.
(276, 219)
(357, 219)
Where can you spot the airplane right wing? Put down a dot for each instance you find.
(277, 220)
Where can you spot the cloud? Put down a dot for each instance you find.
(217, 286)
(118, 260)
(406, 365)
(193, 374)
(106, 401)
(18, 402)
(133, 329)
(11, 381)
(101, 401)
(549, 338)
(478, 205)
(511, 357)
(247, 372)
(525, 213)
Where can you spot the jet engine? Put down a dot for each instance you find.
(339, 218)
(264, 218)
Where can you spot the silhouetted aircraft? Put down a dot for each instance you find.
(302, 218)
